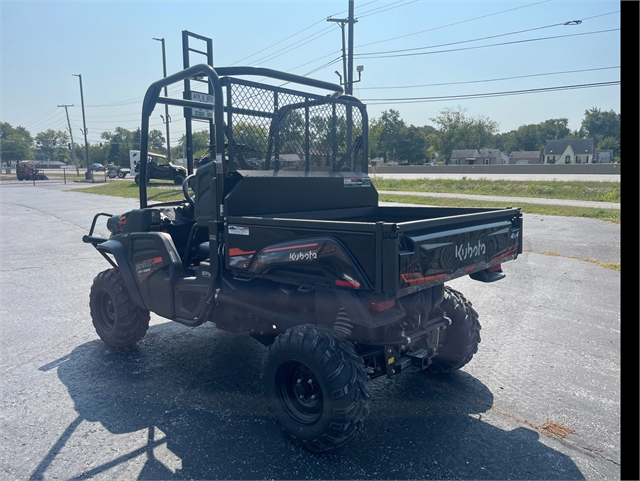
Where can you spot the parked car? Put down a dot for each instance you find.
(97, 167)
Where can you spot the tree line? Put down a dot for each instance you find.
(390, 138)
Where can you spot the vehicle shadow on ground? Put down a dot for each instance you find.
(196, 396)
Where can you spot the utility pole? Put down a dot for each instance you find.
(347, 57)
(350, 66)
(73, 146)
(84, 123)
(167, 119)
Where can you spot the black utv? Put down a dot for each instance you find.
(283, 239)
(158, 167)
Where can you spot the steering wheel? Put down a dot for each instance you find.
(191, 199)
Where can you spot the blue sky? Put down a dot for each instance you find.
(110, 44)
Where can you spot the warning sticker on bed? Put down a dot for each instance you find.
(145, 268)
(237, 230)
(357, 182)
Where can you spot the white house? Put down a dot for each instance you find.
(570, 151)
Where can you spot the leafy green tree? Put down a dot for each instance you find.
(599, 124)
(610, 143)
(50, 144)
(200, 141)
(413, 145)
(452, 130)
(98, 154)
(481, 132)
(15, 143)
(554, 129)
(120, 142)
(528, 137)
(391, 133)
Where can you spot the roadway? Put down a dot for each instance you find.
(503, 176)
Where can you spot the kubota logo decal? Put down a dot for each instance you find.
(470, 251)
(302, 256)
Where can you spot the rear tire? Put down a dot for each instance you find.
(117, 319)
(178, 180)
(316, 387)
(121, 175)
(461, 337)
(137, 179)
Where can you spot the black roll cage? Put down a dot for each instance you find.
(152, 98)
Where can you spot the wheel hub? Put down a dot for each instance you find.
(299, 393)
(306, 389)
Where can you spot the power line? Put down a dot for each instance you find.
(385, 8)
(364, 56)
(50, 117)
(295, 46)
(452, 24)
(463, 41)
(297, 33)
(40, 116)
(489, 80)
(408, 100)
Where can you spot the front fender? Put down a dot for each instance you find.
(117, 250)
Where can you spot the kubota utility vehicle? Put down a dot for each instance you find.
(283, 239)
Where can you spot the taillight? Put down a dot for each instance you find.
(379, 306)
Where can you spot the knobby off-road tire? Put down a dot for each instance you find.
(461, 337)
(117, 320)
(316, 387)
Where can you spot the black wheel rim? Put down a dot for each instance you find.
(299, 393)
(106, 310)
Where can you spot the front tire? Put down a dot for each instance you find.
(178, 180)
(117, 319)
(316, 387)
(461, 337)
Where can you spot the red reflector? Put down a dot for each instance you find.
(496, 268)
(379, 306)
(343, 283)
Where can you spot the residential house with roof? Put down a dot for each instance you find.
(482, 156)
(570, 151)
(525, 157)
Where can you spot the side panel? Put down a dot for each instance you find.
(300, 252)
(156, 267)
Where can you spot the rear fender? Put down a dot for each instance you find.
(118, 251)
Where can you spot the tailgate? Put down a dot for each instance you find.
(431, 256)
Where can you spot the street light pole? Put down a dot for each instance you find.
(166, 119)
(84, 123)
(73, 145)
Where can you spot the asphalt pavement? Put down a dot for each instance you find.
(540, 399)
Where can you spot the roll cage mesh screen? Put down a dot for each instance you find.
(274, 129)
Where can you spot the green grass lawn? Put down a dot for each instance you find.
(159, 191)
(608, 215)
(552, 189)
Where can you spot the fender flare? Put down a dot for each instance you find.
(117, 250)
